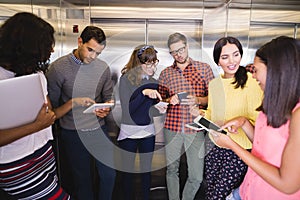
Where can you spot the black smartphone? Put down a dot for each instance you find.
(182, 95)
(207, 124)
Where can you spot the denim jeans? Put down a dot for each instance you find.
(235, 195)
(145, 148)
(80, 159)
(194, 148)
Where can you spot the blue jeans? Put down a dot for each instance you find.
(145, 147)
(79, 159)
(235, 195)
(194, 148)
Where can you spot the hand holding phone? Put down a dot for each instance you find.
(182, 95)
(207, 124)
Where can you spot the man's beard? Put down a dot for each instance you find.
(185, 60)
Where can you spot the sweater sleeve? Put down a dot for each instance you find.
(137, 99)
(125, 92)
(140, 104)
(107, 92)
(135, 106)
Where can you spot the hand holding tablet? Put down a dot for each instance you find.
(95, 106)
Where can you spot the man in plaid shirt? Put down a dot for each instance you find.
(185, 75)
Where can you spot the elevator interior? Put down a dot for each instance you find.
(129, 23)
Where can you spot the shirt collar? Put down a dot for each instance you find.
(76, 60)
(145, 77)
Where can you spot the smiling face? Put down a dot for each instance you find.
(260, 72)
(88, 52)
(230, 59)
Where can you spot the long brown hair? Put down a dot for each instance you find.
(140, 55)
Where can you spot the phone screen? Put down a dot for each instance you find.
(194, 125)
(209, 125)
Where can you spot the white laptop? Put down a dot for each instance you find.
(21, 100)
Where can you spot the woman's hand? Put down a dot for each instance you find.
(45, 118)
(220, 139)
(234, 124)
(153, 94)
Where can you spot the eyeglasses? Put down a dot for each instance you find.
(180, 50)
(153, 64)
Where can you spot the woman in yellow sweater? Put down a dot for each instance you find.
(232, 94)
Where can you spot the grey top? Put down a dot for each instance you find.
(68, 79)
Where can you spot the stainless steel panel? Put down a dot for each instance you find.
(130, 23)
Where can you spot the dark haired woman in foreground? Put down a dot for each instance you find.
(27, 162)
(274, 161)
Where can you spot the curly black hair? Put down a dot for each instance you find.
(26, 43)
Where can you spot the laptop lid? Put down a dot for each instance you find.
(21, 100)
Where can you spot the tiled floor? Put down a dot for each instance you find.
(158, 190)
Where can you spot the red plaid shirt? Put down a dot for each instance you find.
(194, 79)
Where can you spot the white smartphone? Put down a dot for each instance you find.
(162, 104)
(207, 124)
(194, 126)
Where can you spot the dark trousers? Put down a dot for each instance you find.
(78, 148)
(145, 147)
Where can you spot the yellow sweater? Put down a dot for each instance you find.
(225, 102)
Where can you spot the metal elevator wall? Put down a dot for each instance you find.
(130, 23)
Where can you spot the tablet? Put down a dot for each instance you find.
(21, 100)
(95, 106)
(207, 124)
